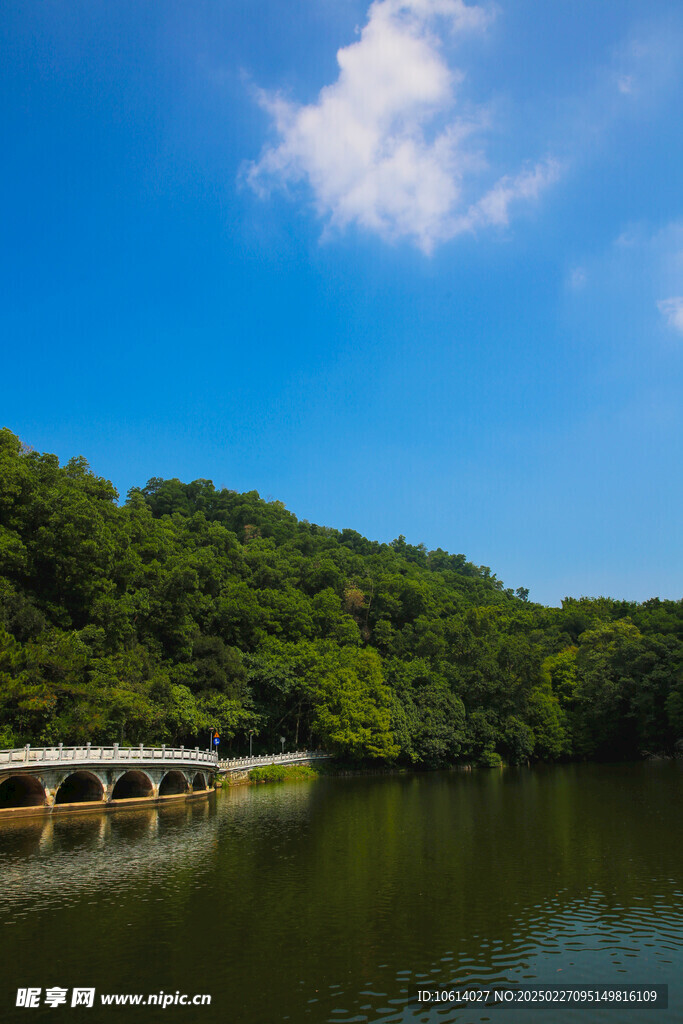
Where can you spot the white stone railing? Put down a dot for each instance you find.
(100, 754)
(243, 763)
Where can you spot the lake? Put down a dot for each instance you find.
(338, 899)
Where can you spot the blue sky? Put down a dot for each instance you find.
(414, 267)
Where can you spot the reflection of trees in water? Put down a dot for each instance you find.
(385, 880)
(497, 862)
(460, 877)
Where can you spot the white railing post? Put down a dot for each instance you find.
(61, 748)
(27, 754)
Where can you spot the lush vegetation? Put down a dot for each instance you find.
(189, 608)
(283, 773)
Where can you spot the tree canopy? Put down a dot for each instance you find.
(188, 608)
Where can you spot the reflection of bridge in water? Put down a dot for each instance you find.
(46, 779)
(52, 858)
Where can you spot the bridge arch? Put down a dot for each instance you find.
(22, 791)
(79, 787)
(173, 783)
(199, 782)
(133, 783)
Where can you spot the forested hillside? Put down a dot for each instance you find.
(189, 608)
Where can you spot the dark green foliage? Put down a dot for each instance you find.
(190, 608)
(283, 773)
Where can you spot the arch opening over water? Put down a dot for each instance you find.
(198, 782)
(22, 791)
(80, 787)
(133, 784)
(173, 784)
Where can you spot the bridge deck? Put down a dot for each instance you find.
(26, 757)
(243, 764)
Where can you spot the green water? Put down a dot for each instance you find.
(337, 900)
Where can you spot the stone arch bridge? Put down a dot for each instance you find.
(47, 779)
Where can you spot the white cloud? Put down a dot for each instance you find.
(381, 147)
(672, 310)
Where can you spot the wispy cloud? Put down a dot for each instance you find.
(383, 146)
(647, 64)
(625, 84)
(672, 310)
(577, 278)
(632, 274)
